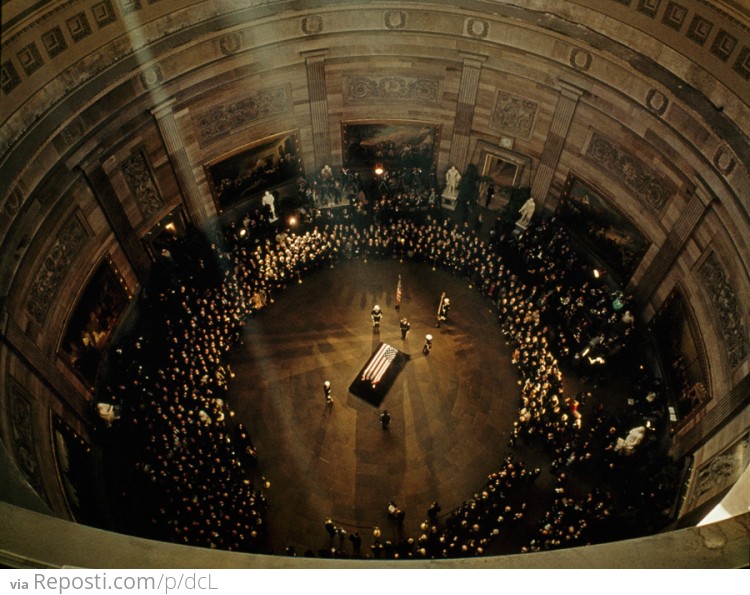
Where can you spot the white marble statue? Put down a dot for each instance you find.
(268, 200)
(452, 178)
(108, 413)
(526, 212)
(634, 438)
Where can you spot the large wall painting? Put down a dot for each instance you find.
(253, 169)
(395, 144)
(599, 225)
(92, 322)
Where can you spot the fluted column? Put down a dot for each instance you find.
(117, 218)
(566, 106)
(170, 134)
(672, 246)
(467, 96)
(316, 89)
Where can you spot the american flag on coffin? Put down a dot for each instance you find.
(380, 363)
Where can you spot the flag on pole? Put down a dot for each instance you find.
(398, 292)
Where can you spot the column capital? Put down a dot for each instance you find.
(163, 108)
(570, 90)
(316, 55)
(473, 59)
(703, 194)
(92, 161)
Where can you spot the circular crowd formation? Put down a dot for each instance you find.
(185, 470)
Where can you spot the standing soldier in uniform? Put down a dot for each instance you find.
(405, 326)
(443, 309)
(327, 391)
(376, 314)
(427, 345)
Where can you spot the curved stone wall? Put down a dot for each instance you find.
(112, 109)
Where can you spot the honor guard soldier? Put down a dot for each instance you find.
(327, 391)
(405, 326)
(376, 314)
(427, 345)
(445, 306)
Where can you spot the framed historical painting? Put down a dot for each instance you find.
(681, 353)
(92, 321)
(595, 221)
(249, 171)
(500, 168)
(394, 144)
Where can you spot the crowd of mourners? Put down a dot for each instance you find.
(169, 378)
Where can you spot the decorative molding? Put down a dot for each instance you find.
(742, 63)
(23, 436)
(513, 114)
(580, 59)
(9, 78)
(724, 160)
(361, 88)
(657, 102)
(648, 7)
(231, 43)
(223, 119)
(674, 15)
(477, 28)
(72, 132)
(699, 29)
(723, 45)
(54, 42)
(312, 25)
(151, 77)
(30, 59)
(718, 473)
(78, 26)
(394, 19)
(12, 203)
(103, 13)
(727, 308)
(66, 247)
(141, 183)
(651, 189)
(129, 6)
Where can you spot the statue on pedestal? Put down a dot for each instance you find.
(268, 201)
(526, 212)
(452, 178)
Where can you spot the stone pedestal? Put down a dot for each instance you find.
(449, 199)
(520, 227)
